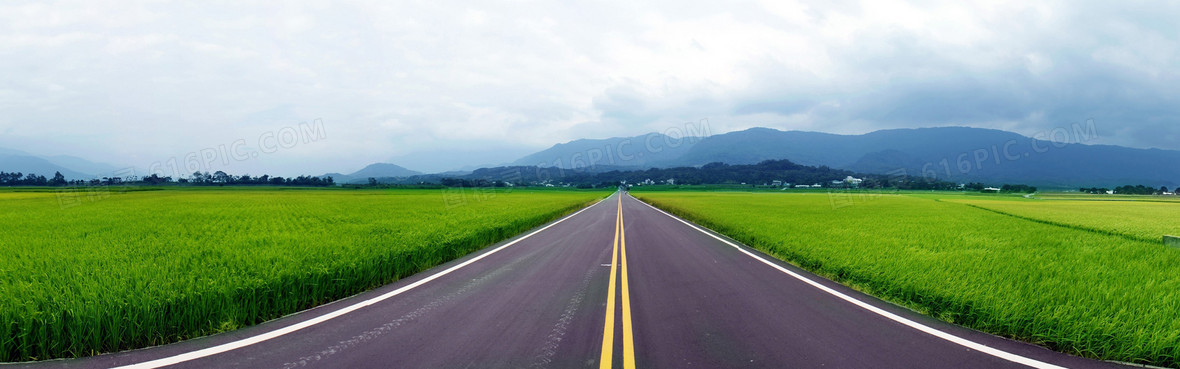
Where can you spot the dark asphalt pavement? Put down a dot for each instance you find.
(540, 301)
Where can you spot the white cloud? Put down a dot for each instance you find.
(132, 82)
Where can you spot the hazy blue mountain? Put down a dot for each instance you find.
(376, 170)
(31, 164)
(948, 153)
(639, 151)
(754, 145)
(384, 170)
(4, 151)
(71, 167)
(82, 165)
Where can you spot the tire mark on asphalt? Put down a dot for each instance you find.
(553, 341)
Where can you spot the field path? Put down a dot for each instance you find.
(619, 282)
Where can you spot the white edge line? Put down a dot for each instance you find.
(172, 360)
(912, 324)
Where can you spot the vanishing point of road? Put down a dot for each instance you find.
(618, 284)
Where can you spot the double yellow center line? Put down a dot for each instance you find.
(618, 263)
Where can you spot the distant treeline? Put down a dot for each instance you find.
(764, 173)
(1126, 190)
(218, 178)
(21, 179)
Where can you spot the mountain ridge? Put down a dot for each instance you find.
(72, 167)
(375, 170)
(639, 151)
(951, 153)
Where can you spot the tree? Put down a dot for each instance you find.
(155, 179)
(58, 179)
(35, 180)
(1163, 190)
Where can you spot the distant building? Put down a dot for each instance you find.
(776, 183)
(991, 189)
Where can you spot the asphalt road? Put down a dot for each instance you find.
(619, 283)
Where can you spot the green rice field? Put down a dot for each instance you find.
(83, 273)
(1141, 220)
(1084, 277)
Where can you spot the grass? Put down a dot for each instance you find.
(1073, 290)
(1139, 220)
(1090, 197)
(116, 271)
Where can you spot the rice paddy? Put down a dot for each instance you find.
(1142, 220)
(87, 273)
(1077, 277)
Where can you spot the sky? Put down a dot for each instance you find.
(313, 87)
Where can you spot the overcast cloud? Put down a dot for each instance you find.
(437, 85)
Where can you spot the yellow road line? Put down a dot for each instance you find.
(608, 330)
(628, 341)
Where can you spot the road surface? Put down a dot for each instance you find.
(618, 284)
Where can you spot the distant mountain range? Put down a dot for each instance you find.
(956, 154)
(377, 170)
(650, 150)
(71, 167)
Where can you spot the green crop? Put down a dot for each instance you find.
(1088, 293)
(128, 270)
(1141, 220)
